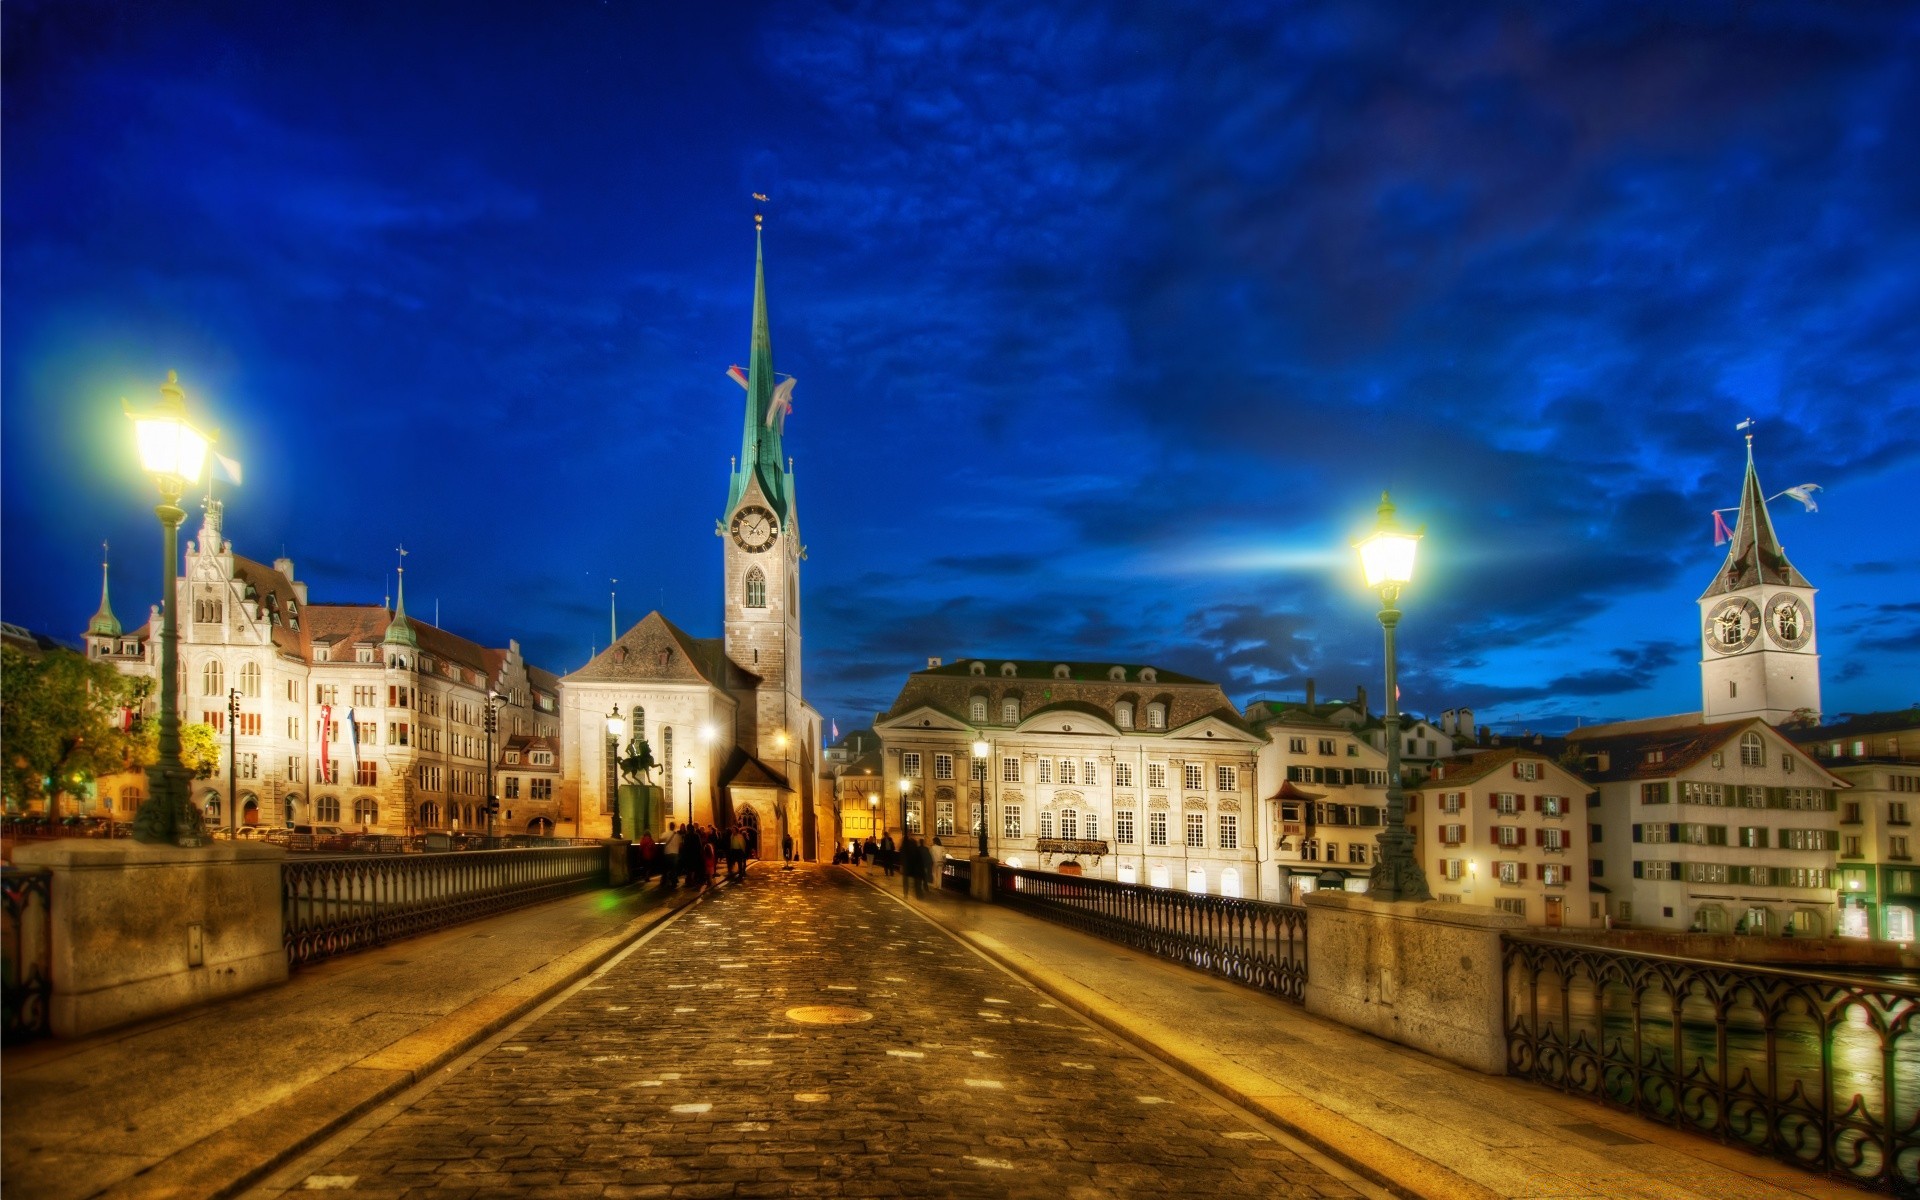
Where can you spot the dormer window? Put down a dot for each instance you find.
(1117, 674)
(1009, 711)
(977, 710)
(1060, 671)
(1156, 715)
(323, 654)
(977, 668)
(1008, 670)
(513, 756)
(541, 758)
(1149, 675)
(1123, 713)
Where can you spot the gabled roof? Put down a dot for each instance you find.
(1452, 772)
(1226, 716)
(655, 650)
(267, 582)
(744, 770)
(1677, 749)
(1856, 725)
(1754, 556)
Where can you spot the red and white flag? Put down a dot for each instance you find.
(1721, 533)
(326, 727)
(738, 376)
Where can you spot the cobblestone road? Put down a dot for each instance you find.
(687, 1070)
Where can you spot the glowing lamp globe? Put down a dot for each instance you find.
(1386, 554)
(171, 449)
(980, 747)
(614, 723)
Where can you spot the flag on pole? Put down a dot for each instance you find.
(326, 727)
(1721, 534)
(1746, 424)
(228, 467)
(781, 406)
(1804, 494)
(836, 729)
(738, 376)
(353, 735)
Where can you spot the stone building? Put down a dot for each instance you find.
(1123, 772)
(1328, 787)
(1878, 756)
(856, 767)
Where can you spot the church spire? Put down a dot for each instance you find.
(400, 630)
(1755, 556)
(761, 455)
(104, 622)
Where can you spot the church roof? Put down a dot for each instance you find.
(744, 770)
(104, 623)
(274, 592)
(761, 458)
(1754, 556)
(654, 649)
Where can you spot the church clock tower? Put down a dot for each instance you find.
(762, 547)
(1758, 653)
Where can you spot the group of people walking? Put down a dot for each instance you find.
(913, 859)
(691, 853)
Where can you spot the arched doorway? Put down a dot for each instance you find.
(750, 826)
(540, 827)
(296, 810)
(249, 809)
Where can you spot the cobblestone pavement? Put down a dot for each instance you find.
(690, 1069)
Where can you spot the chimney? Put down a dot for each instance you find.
(932, 663)
(1309, 693)
(1360, 699)
(1466, 723)
(1449, 723)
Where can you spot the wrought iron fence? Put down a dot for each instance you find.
(26, 975)
(1247, 941)
(335, 905)
(956, 874)
(1821, 1071)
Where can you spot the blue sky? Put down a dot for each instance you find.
(1110, 321)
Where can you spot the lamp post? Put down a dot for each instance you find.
(689, 790)
(980, 751)
(173, 452)
(613, 759)
(906, 786)
(1386, 556)
(873, 813)
(491, 723)
(233, 756)
(707, 737)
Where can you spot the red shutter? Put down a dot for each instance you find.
(1516, 769)
(1494, 835)
(1523, 870)
(1567, 874)
(1539, 837)
(1493, 802)
(1539, 804)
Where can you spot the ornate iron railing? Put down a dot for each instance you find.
(1821, 1071)
(26, 974)
(956, 874)
(1247, 941)
(336, 905)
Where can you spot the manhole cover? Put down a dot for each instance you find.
(828, 1014)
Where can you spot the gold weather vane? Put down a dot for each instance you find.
(758, 217)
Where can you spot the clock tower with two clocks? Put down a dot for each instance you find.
(1758, 653)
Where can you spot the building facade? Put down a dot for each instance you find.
(1878, 756)
(1509, 828)
(1121, 772)
(1327, 788)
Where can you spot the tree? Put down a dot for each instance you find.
(199, 747)
(62, 722)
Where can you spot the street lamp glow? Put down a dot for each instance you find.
(980, 747)
(706, 734)
(1386, 554)
(171, 449)
(614, 723)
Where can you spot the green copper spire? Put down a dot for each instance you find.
(104, 622)
(400, 630)
(761, 455)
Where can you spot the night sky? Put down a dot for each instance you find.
(1110, 322)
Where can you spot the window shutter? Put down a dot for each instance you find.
(1636, 833)
(1637, 872)
(1567, 874)
(1539, 804)
(1516, 770)
(1539, 837)
(1493, 802)
(1673, 831)
(1523, 870)
(1494, 835)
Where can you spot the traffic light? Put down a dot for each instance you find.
(493, 807)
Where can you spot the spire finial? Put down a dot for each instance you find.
(104, 622)
(759, 197)
(399, 630)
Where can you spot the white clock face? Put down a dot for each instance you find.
(753, 529)
(1789, 623)
(1732, 626)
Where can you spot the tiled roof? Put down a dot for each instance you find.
(268, 582)
(1899, 720)
(745, 770)
(1474, 767)
(655, 649)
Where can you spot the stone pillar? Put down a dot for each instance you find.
(1424, 975)
(982, 878)
(139, 930)
(618, 872)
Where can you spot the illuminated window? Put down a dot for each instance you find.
(1009, 770)
(1123, 774)
(213, 679)
(1156, 715)
(1229, 831)
(1196, 830)
(1123, 714)
(977, 710)
(1123, 827)
(1156, 829)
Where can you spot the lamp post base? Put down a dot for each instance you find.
(169, 817)
(1397, 876)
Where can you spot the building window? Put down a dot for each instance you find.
(977, 770)
(1046, 823)
(366, 811)
(1156, 829)
(1506, 835)
(1066, 770)
(1453, 835)
(1010, 820)
(756, 589)
(1896, 812)
(1123, 827)
(1123, 774)
(213, 679)
(943, 817)
(943, 766)
(1123, 714)
(1226, 779)
(326, 810)
(250, 679)
(1069, 823)
(977, 710)
(1357, 853)
(1325, 746)
(1196, 830)
(1553, 806)
(1046, 770)
(1087, 775)
(1450, 801)
(539, 789)
(1009, 770)
(1156, 715)
(1229, 831)
(910, 763)
(1297, 745)
(1507, 803)
(1753, 752)
(1156, 775)
(513, 787)
(366, 774)
(1514, 905)
(1194, 779)
(1653, 793)
(1009, 712)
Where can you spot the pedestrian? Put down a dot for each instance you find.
(870, 853)
(692, 858)
(887, 854)
(736, 854)
(670, 858)
(922, 869)
(786, 847)
(646, 855)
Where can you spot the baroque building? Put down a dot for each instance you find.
(1122, 772)
(725, 717)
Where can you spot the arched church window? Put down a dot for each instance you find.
(1753, 752)
(636, 723)
(756, 589)
(213, 679)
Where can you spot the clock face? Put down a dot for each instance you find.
(753, 529)
(1789, 623)
(1733, 626)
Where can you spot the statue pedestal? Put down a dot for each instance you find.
(983, 878)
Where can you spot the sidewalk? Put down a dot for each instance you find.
(1416, 1124)
(200, 1103)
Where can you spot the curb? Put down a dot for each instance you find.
(229, 1161)
(1378, 1159)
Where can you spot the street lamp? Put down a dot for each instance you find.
(1386, 556)
(173, 452)
(233, 757)
(906, 785)
(614, 725)
(491, 724)
(980, 751)
(689, 791)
